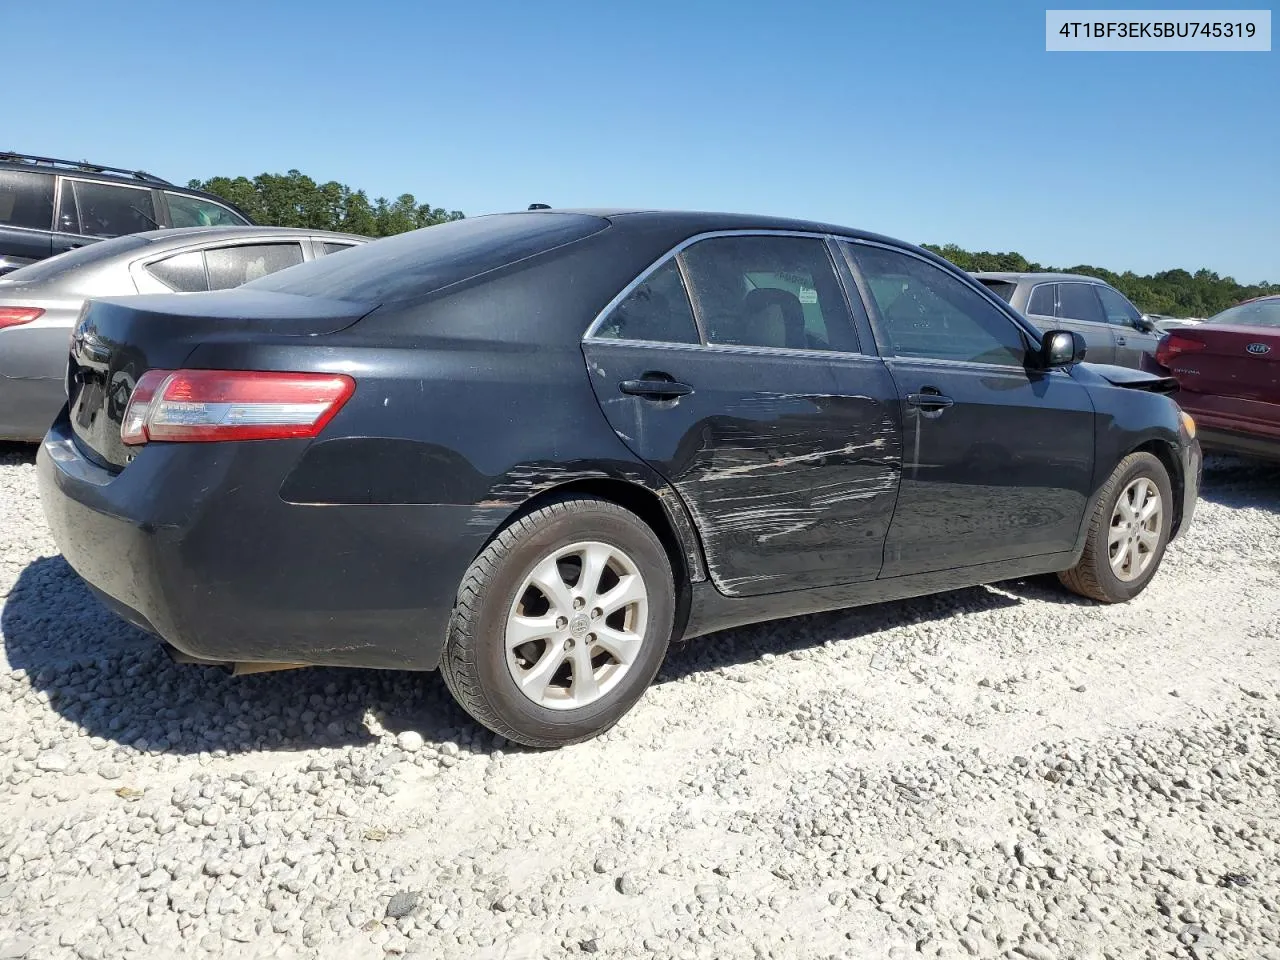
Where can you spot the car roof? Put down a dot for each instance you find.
(701, 221)
(1046, 277)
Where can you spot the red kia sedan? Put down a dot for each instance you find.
(1228, 369)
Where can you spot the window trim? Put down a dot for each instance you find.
(590, 335)
(1030, 336)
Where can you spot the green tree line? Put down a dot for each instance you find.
(295, 200)
(1174, 293)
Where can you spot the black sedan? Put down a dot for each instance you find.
(533, 448)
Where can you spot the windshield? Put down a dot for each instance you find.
(413, 264)
(90, 253)
(1259, 313)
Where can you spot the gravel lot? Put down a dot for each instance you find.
(997, 772)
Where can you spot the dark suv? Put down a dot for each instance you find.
(49, 206)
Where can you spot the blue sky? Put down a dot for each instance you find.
(930, 121)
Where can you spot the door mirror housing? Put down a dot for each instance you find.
(1061, 348)
(1144, 324)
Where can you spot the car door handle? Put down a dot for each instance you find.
(930, 401)
(655, 389)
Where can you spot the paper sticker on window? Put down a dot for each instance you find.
(808, 296)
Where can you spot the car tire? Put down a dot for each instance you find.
(1122, 549)
(546, 664)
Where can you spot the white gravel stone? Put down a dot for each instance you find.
(992, 772)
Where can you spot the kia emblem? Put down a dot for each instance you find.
(1258, 349)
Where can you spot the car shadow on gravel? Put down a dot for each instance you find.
(1241, 482)
(117, 683)
(12, 454)
(780, 637)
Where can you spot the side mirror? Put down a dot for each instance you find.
(1145, 324)
(1061, 348)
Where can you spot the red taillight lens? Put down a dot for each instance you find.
(16, 316)
(1175, 344)
(203, 405)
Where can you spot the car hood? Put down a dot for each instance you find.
(1131, 378)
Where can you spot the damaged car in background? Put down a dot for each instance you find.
(532, 449)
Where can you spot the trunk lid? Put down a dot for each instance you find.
(116, 341)
(1235, 361)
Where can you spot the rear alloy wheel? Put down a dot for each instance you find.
(561, 623)
(1127, 534)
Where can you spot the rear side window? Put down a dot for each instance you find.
(1001, 288)
(1041, 301)
(411, 265)
(1077, 301)
(26, 199)
(187, 211)
(234, 266)
(768, 291)
(105, 209)
(327, 248)
(183, 272)
(656, 310)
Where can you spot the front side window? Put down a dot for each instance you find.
(768, 291)
(108, 210)
(187, 211)
(232, 266)
(927, 313)
(1077, 301)
(1117, 309)
(26, 199)
(656, 310)
(1041, 300)
(183, 272)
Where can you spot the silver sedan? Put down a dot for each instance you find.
(39, 304)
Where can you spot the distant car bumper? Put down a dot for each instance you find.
(28, 405)
(225, 570)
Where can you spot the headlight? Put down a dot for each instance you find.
(1188, 424)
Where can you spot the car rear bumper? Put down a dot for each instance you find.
(194, 543)
(1244, 444)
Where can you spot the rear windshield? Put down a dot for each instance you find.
(1001, 288)
(413, 264)
(1261, 313)
(79, 257)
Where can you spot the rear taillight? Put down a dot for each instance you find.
(1174, 345)
(16, 316)
(204, 405)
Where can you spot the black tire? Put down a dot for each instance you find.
(1093, 577)
(474, 662)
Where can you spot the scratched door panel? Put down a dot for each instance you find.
(1004, 472)
(788, 462)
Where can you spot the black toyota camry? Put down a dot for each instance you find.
(531, 449)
